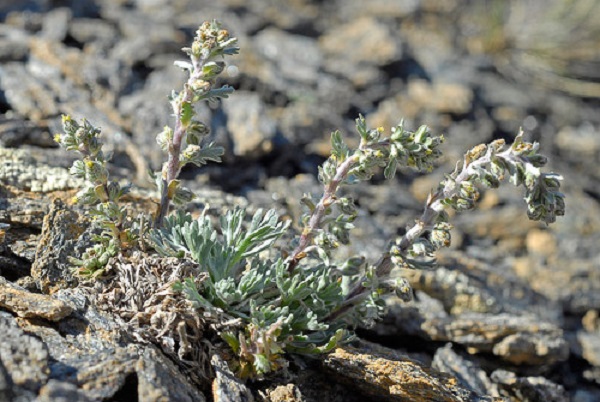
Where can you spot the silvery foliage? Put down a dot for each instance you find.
(278, 312)
(308, 302)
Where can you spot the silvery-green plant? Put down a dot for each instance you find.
(118, 231)
(266, 296)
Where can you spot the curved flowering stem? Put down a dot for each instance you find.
(485, 165)
(323, 230)
(182, 144)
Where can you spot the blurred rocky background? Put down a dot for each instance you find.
(513, 309)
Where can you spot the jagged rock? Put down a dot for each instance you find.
(24, 357)
(517, 339)
(159, 379)
(408, 318)
(27, 304)
(13, 264)
(528, 388)
(468, 373)
(88, 352)
(99, 366)
(64, 234)
(469, 285)
(394, 379)
(226, 387)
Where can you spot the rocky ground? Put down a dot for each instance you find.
(512, 311)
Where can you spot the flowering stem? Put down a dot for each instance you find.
(318, 213)
(435, 206)
(172, 167)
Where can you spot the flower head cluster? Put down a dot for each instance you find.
(483, 165)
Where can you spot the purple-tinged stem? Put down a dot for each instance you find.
(172, 168)
(314, 223)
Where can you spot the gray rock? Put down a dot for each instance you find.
(87, 352)
(306, 124)
(19, 169)
(24, 357)
(64, 234)
(577, 143)
(350, 10)
(16, 131)
(148, 111)
(465, 284)
(292, 17)
(407, 318)
(250, 127)
(357, 49)
(586, 395)
(144, 36)
(11, 266)
(296, 58)
(93, 33)
(6, 385)
(394, 378)
(25, 94)
(589, 343)
(226, 386)
(27, 304)
(562, 265)
(516, 339)
(424, 101)
(468, 373)
(159, 379)
(528, 388)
